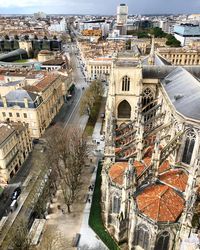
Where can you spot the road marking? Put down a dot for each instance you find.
(73, 111)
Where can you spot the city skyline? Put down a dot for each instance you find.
(97, 7)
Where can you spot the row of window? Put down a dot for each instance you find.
(100, 67)
(142, 239)
(192, 61)
(11, 114)
(188, 56)
(99, 72)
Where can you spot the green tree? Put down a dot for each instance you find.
(128, 44)
(16, 37)
(6, 37)
(91, 97)
(172, 41)
(26, 37)
(157, 32)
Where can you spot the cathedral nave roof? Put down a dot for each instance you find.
(183, 90)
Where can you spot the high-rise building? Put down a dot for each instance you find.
(122, 14)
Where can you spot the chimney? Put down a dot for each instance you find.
(26, 102)
(4, 102)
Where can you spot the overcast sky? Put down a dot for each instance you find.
(98, 6)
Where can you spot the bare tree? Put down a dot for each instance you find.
(51, 240)
(19, 237)
(67, 152)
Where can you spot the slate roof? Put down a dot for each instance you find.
(183, 90)
(156, 72)
(158, 61)
(5, 132)
(20, 94)
(13, 53)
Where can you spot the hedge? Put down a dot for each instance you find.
(95, 219)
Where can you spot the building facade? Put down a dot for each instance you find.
(180, 56)
(15, 146)
(99, 68)
(36, 104)
(186, 33)
(150, 173)
(122, 14)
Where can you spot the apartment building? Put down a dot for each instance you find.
(35, 104)
(181, 56)
(15, 146)
(99, 68)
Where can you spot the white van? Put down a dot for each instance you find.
(13, 206)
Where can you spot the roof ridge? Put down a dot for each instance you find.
(166, 188)
(169, 210)
(153, 200)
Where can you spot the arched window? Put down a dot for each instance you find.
(142, 237)
(147, 98)
(116, 204)
(124, 110)
(125, 83)
(189, 146)
(163, 241)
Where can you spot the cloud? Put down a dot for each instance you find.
(99, 6)
(30, 3)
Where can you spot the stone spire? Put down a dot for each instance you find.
(156, 157)
(151, 59)
(190, 196)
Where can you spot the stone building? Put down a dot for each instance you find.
(15, 146)
(181, 56)
(35, 104)
(99, 68)
(151, 163)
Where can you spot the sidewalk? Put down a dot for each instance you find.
(89, 240)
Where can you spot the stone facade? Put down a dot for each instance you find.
(15, 146)
(151, 168)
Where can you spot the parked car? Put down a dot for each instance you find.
(13, 205)
(102, 137)
(16, 193)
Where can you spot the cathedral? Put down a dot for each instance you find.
(151, 169)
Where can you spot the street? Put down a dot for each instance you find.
(68, 115)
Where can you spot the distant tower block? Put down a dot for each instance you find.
(122, 14)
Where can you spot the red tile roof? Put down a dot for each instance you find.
(46, 82)
(139, 167)
(117, 150)
(116, 172)
(148, 151)
(176, 178)
(147, 161)
(160, 203)
(164, 166)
